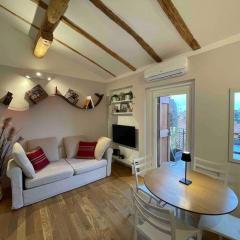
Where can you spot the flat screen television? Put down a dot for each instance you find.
(124, 135)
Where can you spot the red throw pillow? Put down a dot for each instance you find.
(86, 150)
(38, 159)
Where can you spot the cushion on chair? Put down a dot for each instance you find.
(102, 145)
(22, 160)
(86, 150)
(38, 159)
(71, 145)
(54, 171)
(86, 165)
(48, 145)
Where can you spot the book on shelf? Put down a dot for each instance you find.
(88, 103)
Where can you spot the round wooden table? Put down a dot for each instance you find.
(205, 195)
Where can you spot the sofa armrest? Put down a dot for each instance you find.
(14, 172)
(108, 156)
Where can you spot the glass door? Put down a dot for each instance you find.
(172, 124)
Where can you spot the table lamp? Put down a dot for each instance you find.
(186, 157)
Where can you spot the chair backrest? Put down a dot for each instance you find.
(161, 219)
(213, 169)
(140, 166)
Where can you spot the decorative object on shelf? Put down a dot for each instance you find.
(122, 96)
(115, 109)
(88, 103)
(7, 139)
(115, 98)
(99, 99)
(116, 152)
(37, 94)
(8, 98)
(186, 157)
(124, 107)
(72, 96)
(128, 96)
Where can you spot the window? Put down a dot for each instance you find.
(234, 126)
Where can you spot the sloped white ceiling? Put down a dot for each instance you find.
(209, 21)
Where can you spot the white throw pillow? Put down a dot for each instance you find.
(102, 145)
(22, 160)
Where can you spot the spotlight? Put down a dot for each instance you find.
(38, 74)
(49, 78)
(27, 76)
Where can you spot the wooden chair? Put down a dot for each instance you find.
(140, 166)
(226, 225)
(155, 223)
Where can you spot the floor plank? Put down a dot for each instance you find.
(97, 211)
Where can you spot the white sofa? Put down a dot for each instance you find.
(61, 175)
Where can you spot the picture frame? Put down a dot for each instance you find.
(124, 107)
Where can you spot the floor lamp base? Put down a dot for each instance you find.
(185, 181)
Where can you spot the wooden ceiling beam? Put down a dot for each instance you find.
(56, 9)
(91, 38)
(108, 12)
(61, 42)
(178, 22)
(53, 14)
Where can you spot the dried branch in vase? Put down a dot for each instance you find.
(8, 136)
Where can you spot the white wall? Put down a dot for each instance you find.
(17, 50)
(53, 116)
(214, 72)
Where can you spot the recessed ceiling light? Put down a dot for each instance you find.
(27, 76)
(49, 78)
(38, 74)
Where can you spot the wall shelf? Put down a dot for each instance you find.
(122, 113)
(99, 96)
(122, 101)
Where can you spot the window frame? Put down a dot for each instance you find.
(231, 124)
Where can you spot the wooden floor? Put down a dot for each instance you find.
(97, 211)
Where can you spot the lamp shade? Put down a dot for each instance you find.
(186, 157)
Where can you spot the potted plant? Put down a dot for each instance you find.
(129, 95)
(115, 98)
(7, 139)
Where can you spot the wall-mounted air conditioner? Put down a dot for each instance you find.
(167, 69)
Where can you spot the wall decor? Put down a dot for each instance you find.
(37, 94)
(72, 96)
(88, 103)
(7, 99)
(8, 136)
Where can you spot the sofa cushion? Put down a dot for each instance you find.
(38, 159)
(86, 165)
(54, 171)
(102, 145)
(22, 160)
(71, 145)
(86, 150)
(48, 145)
